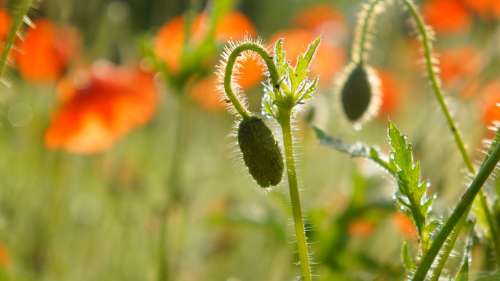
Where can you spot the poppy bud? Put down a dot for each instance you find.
(261, 152)
(360, 93)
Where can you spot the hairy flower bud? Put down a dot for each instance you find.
(261, 152)
(360, 93)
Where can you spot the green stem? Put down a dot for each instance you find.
(447, 248)
(173, 192)
(361, 42)
(20, 9)
(228, 74)
(460, 210)
(438, 93)
(295, 198)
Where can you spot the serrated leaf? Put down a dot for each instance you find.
(463, 273)
(301, 71)
(412, 192)
(354, 150)
(406, 257)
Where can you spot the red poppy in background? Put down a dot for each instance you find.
(405, 225)
(361, 228)
(100, 107)
(447, 16)
(324, 20)
(459, 63)
(486, 9)
(4, 24)
(45, 51)
(4, 256)
(170, 38)
(391, 93)
(491, 101)
(329, 59)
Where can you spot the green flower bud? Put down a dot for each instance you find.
(360, 93)
(261, 152)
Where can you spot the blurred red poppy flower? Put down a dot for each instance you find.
(205, 91)
(4, 256)
(361, 228)
(459, 63)
(4, 24)
(329, 58)
(323, 19)
(100, 107)
(45, 51)
(491, 102)
(405, 225)
(391, 93)
(170, 38)
(447, 16)
(486, 9)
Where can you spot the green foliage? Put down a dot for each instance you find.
(412, 191)
(294, 86)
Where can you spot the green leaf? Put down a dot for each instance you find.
(301, 71)
(406, 257)
(412, 192)
(463, 273)
(354, 150)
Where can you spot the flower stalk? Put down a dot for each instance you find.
(286, 88)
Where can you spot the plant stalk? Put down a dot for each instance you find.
(302, 247)
(20, 11)
(460, 210)
(438, 93)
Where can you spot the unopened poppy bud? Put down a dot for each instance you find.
(261, 152)
(360, 93)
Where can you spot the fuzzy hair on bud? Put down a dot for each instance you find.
(261, 152)
(235, 73)
(359, 88)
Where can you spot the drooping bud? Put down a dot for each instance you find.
(360, 93)
(261, 152)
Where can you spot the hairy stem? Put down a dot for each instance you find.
(20, 9)
(302, 248)
(460, 210)
(438, 93)
(228, 74)
(361, 42)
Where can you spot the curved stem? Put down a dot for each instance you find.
(228, 73)
(438, 93)
(295, 198)
(460, 210)
(20, 10)
(361, 41)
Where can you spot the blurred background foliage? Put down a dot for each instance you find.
(65, 216)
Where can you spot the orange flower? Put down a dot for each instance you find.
(405, 225)
(170, 38)
(205, 93)
(101, 107)
(491, 101)
(361, 228)
(391, 93)
(459, 63)
(447, 16)
(45, 51)
(329, 59)
(322, 18)
(4, 24)
(4, 256)
(486, 9)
